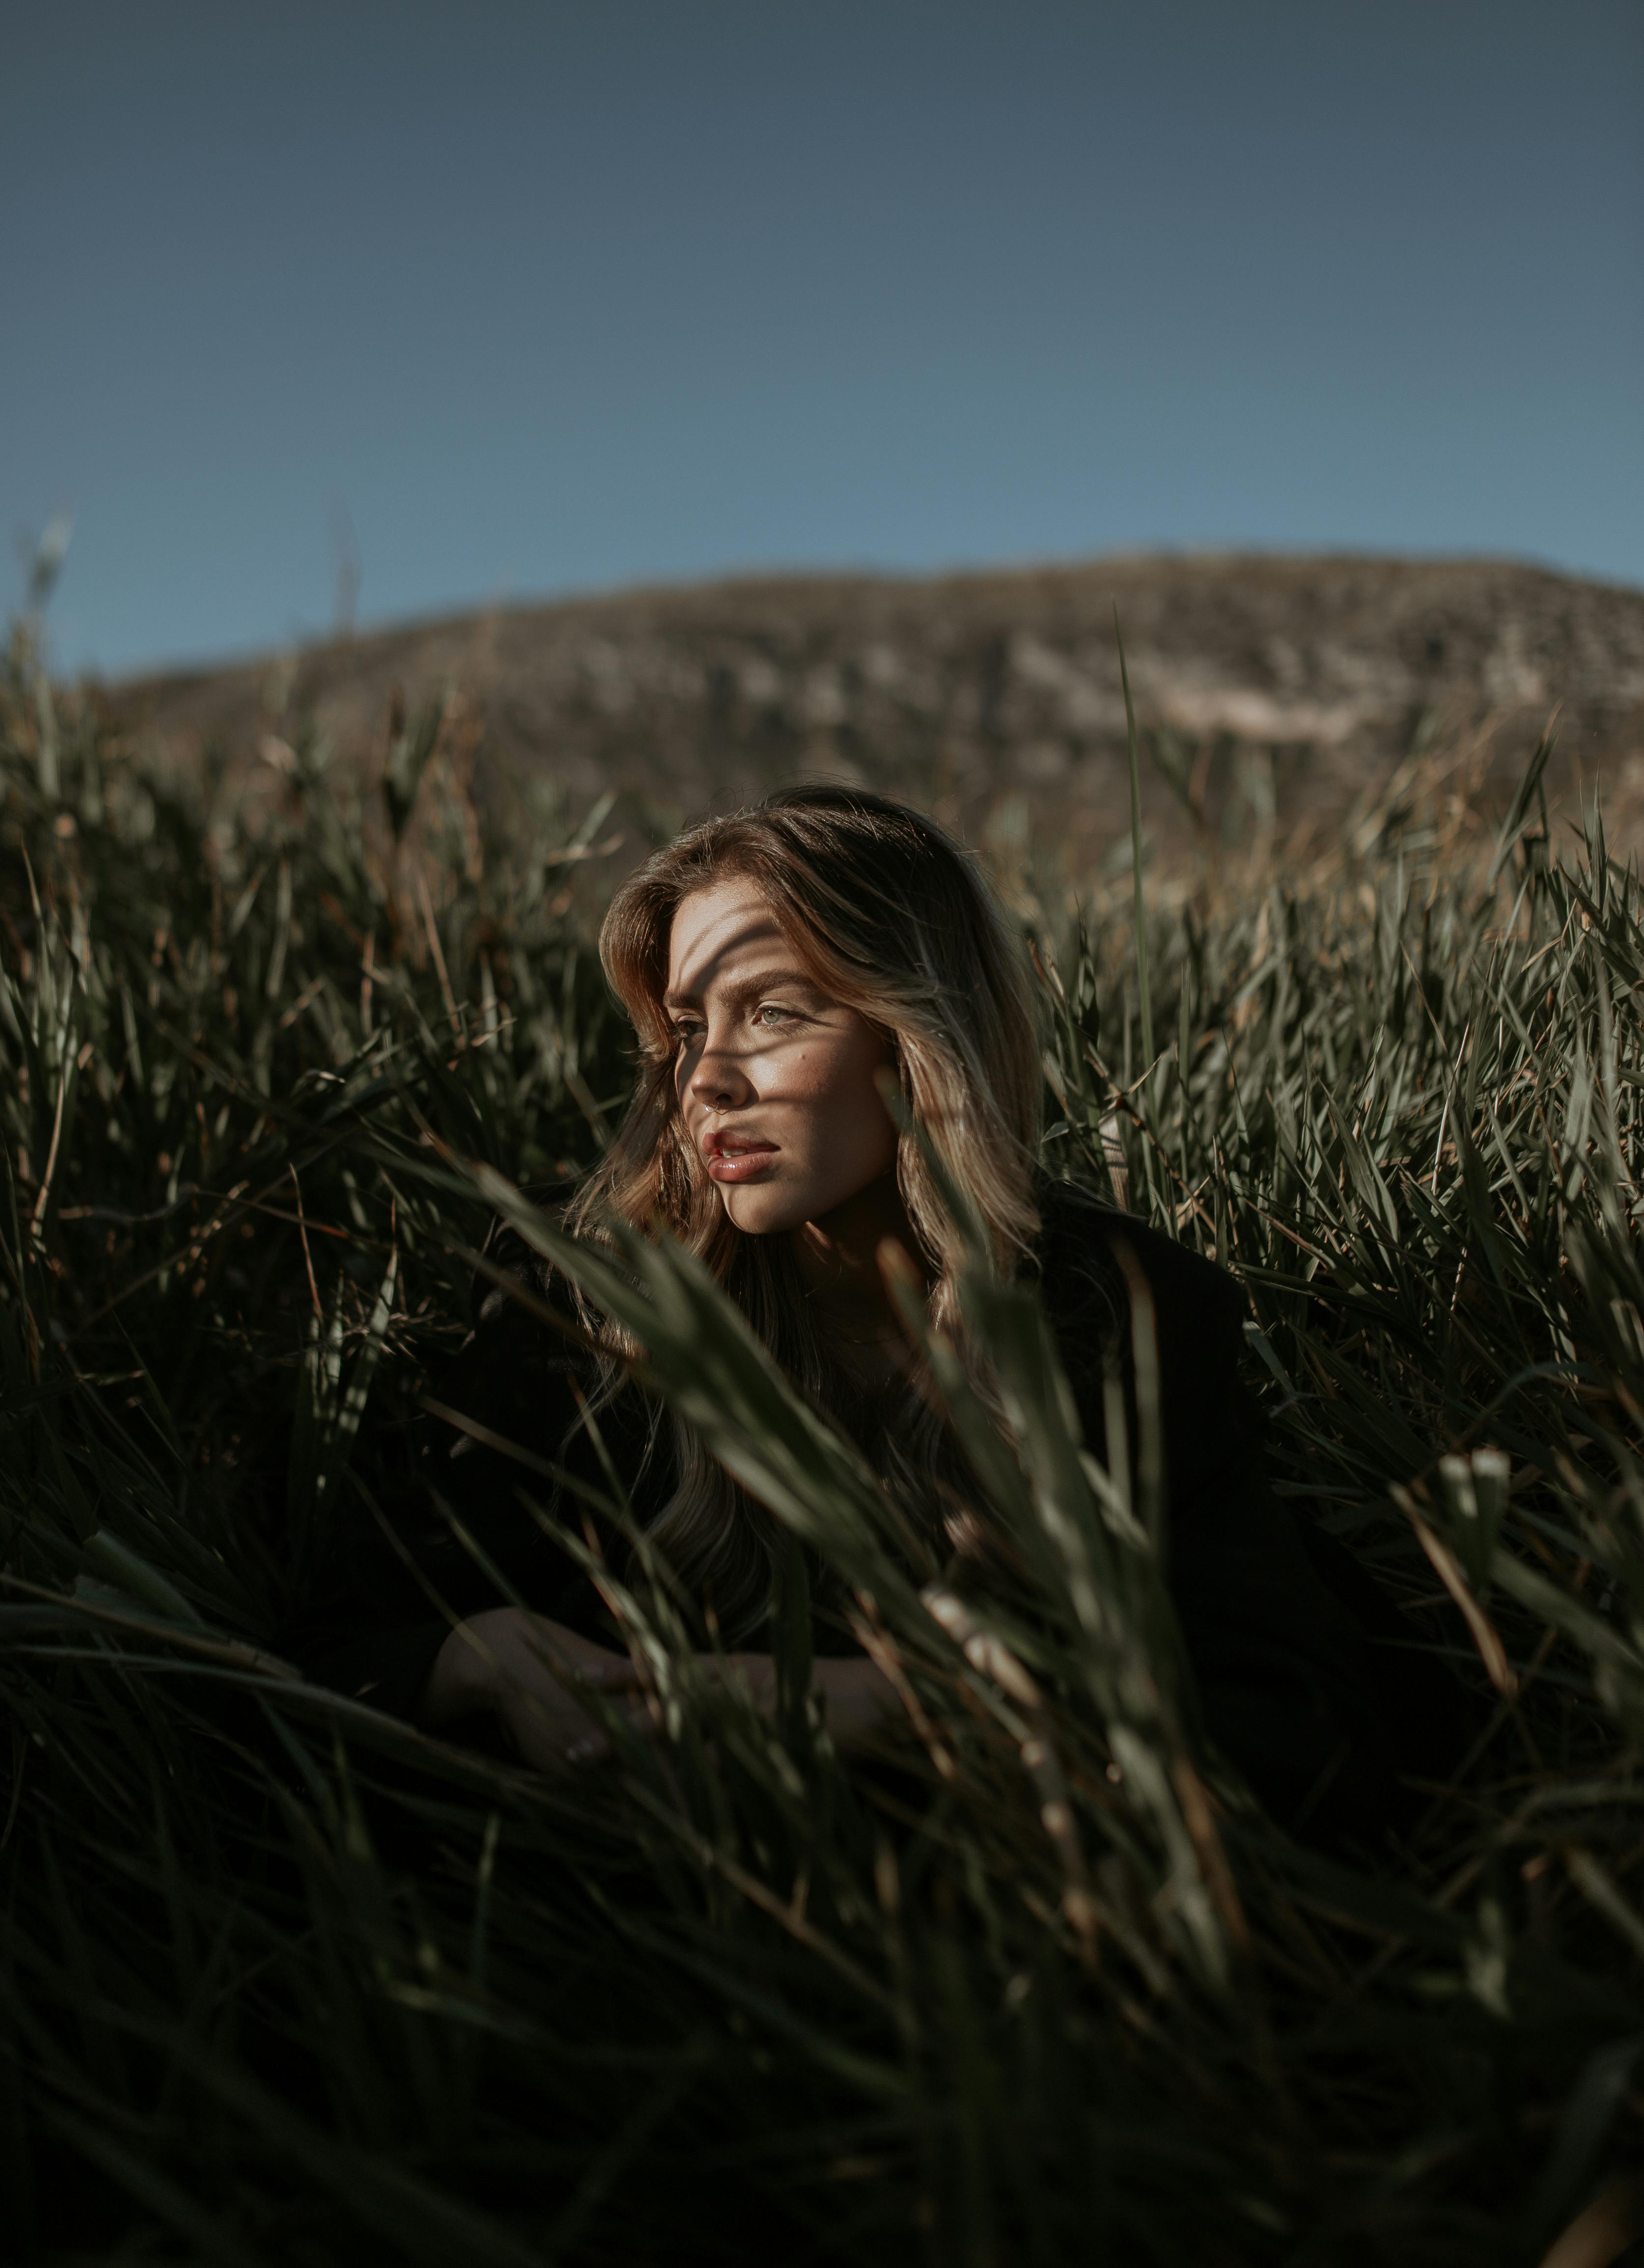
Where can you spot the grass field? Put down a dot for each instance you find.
(283, 1981)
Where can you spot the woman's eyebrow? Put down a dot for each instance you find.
(741, 988)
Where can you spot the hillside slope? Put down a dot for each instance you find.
(1273, 688)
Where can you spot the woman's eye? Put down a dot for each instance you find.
(768, 1012)
(684, 1034)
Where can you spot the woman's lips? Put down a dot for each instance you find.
(739, 1161)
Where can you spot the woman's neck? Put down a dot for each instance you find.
(837, 1255)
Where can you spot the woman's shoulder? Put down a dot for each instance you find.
(524, 1357)
(510, 1262)
(1082, 1237)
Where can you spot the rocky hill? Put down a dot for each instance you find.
(1266, 688)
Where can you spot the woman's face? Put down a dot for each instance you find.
(775, 1079)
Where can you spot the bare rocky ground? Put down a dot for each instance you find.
(1276, 697)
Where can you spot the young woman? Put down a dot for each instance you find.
(776, 965)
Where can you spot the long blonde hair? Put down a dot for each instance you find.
(890, 917)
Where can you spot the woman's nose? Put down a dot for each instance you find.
(719, 1080)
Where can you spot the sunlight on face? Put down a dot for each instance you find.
(775, 1080)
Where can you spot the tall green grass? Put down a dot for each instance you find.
(284, 1981)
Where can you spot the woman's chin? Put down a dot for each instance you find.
(762, 1208)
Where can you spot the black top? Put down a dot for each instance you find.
(1290, 1642)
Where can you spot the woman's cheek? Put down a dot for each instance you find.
(788, 1075)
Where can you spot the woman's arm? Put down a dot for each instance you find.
(858, 1695)
(524, 1670)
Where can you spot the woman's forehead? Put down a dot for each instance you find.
(720, 934)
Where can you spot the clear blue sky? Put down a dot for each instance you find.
(542, 298)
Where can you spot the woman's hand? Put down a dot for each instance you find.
(524, 1670)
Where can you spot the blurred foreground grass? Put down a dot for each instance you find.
(282, 1981)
